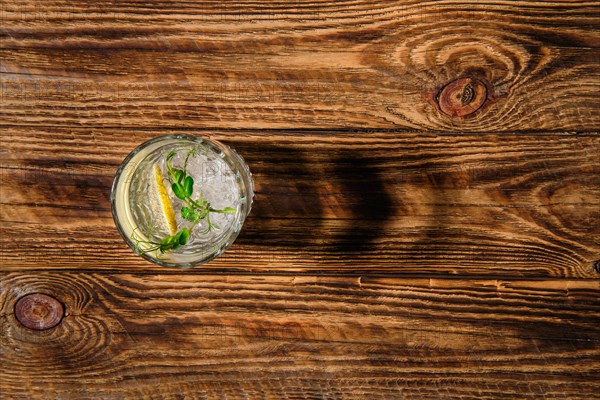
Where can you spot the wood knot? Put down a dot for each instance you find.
(39, 311)
(597, 266)
(462, 97)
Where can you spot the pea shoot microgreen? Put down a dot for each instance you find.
(167, 244)
(193, 211)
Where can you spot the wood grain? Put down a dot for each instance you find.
(396, 250)
(432, 205)
(155, 336)
(305, 64)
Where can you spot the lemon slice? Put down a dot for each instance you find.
(165, 202)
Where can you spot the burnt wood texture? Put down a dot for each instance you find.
(426, 221)
(214, 336)
(433, 205)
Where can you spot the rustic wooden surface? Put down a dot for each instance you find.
(397, 249)
(214, 336)
(422, 204)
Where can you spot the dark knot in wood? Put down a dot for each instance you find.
(597, 266)
(462, 97)
(468, 95)
(39, 311)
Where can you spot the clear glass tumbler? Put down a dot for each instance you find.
(181, 200)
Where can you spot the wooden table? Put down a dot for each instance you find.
(427, 209)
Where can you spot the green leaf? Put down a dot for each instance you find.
(188, 186)
(171, 155)
(184, 236)
(178, 190)
(168, 241)
(186, 212)
(189, 214)
(179, 175)
(175, 241)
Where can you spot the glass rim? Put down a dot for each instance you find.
(239, 165)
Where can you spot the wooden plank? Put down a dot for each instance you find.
(179, 335)
(432, 205)
(328, 64)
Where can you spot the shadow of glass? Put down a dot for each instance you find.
(314, 203)
(367, 201)
(287, 210)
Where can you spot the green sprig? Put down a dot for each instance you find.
(167, 244)
(193, 211)
(183, 187)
